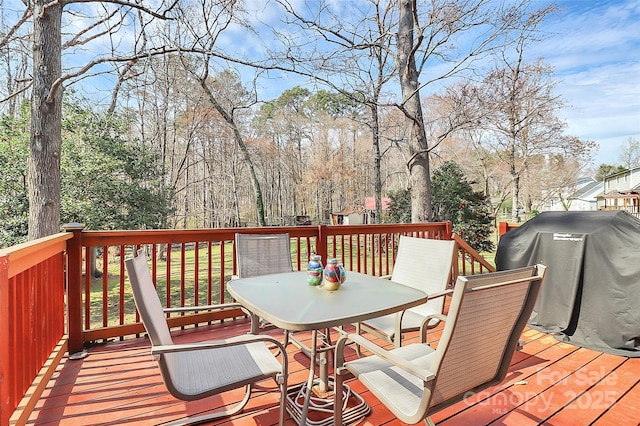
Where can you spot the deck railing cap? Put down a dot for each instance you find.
(73, 226)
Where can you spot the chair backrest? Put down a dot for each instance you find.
(147, 301)
(486, 317)
(424, 264)
(261, 254)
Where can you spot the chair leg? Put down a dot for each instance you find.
(283, 398)
(397, 340)
(337, 399)
(358, 350)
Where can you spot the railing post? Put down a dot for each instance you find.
(74, 287)
(449, 229)
(321, 242)
(503, 227)
(5, 346)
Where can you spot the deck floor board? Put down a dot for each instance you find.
(549, 382)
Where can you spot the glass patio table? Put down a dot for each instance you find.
(289, 303)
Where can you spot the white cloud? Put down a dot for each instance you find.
(595, 50)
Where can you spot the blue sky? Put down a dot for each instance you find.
(595, 51)
(594, 48)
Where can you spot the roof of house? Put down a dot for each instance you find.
(590, 190)
(370, 203)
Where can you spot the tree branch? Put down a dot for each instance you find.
(16, 93)
(24, 18)
(146, 10)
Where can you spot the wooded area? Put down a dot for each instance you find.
(214, 113)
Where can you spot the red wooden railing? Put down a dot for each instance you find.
(470, 262)
(31, 316)
(197, 266)
(190, 267)
(504, 227)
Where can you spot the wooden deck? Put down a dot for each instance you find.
(550, 383)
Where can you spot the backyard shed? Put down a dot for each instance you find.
(591, 293)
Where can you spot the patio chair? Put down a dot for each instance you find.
(420, 263)
(262, 254)
(486, 317)
(194, 371)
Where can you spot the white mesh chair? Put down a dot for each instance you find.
(197, 370)
(420, 263)
(262, 254)
(486, 317)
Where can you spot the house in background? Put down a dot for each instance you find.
(618, 191)
(349, 216)
(356, 215)
(370, 208)
(582, 196)
(586, 198)
(622, 192)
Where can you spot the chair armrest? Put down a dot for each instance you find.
(204, 308)
(439, 294)
(424, 326)
(215, 307)
(408, 366)
(234, 341)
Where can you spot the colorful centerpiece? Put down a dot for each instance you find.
(334, 275)
(314, 270)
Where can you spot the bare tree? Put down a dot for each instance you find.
(432, 33)
(46, 110)
(355, 55)
(513, 122)
(513, 114)
(525, 124)
(629, 155)
(49, 79)
(15, 56)
(351, 56)
(362, 53)
(170, 119)
(432, 45)
(200, 26)
(553, 177)
(286, 122)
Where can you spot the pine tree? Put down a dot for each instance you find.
(455, 200)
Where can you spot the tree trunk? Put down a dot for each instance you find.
(418, 164)
(45, 140)
(377, 156)
(245, 152)
(515, 198)
(515, 175)
(236, 201)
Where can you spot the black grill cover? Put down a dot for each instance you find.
(591, 292)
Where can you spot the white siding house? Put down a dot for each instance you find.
(622, 192)
(582, 196)
(586, 198)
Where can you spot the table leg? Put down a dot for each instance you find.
(323, 373)
(312, 372)
(316, 395)
(324, 362)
